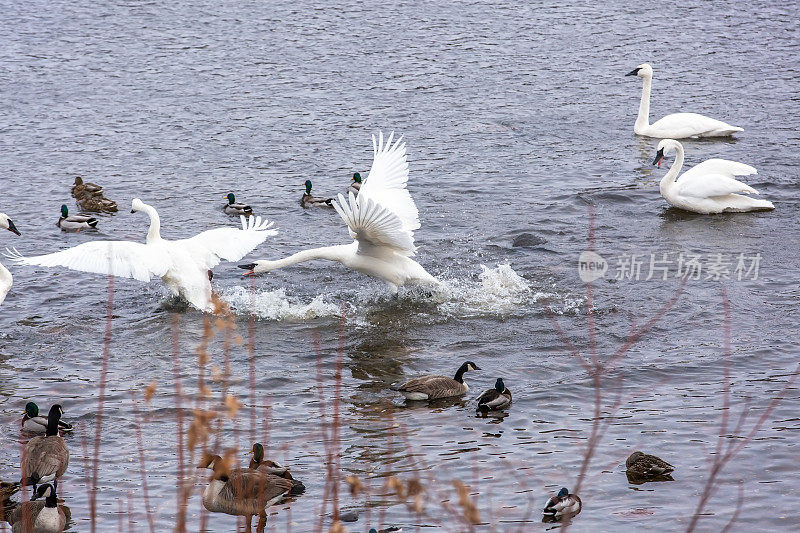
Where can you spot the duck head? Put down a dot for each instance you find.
(643, 71)
(231, 198)
(78, 180)
(5, 222)
(563, 492)
(357, 177)
(31, 410)
(64, 211)
(499, 386)
(258, 452)
(308, 186)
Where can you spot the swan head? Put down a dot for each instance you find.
(643, 71)
(357, 177)
(255, 268)
(308, 186)
(231, 198)
(665, 146)
(6, 223)
(137, 205)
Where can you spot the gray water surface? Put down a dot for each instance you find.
(518, 119)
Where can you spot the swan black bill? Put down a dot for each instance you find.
(12, 228)
(634, 72)
(249, 267)
(659, 158)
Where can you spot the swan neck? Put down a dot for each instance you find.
(668, 181)
(643, 120)
(154, 233)
(331, 253)
(5, 276)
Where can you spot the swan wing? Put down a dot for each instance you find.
(387, 180)
(371, 223)
(709, 185)
(721, 166)
(117, 258)
(680, 125)
(230, 244)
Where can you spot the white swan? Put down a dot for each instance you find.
(5, 276)
(677, 125)
(184, 265)
(382, 221)
(709, 187)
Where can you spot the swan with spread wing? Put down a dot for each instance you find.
(381, 221)
(183, 265)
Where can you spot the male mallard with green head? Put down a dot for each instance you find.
(355, 186)
(309, 201)
(33, 422)
(69, 222)
(235, 208)
(562, 505)
(495, 399)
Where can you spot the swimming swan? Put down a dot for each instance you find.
(183, 265)
(382, 221)
(676, 125)
(5, 276)
(709, 187)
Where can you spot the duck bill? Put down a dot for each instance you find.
(12, 228)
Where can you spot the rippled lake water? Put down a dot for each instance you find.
(518, 120)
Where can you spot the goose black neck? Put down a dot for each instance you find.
(52, 421)
(460, 374)
(51, 501)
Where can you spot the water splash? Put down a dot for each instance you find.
(275, 305)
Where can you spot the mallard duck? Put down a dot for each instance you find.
(355, 186)
(309, 201)
(257, 462)
(69, 222)
(241, 491)
(495, 399)
(96, 202)
(643, 467)
(6, 279)
(562, 505)
(8, 489)
(31, 421)
(38, 516)
(436, 386)
(45, 458)
(79, 188)
(233, 208)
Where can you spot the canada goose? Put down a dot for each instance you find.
(643, 467)
(309, 201)
(241, 491)
(31, 421)
(235, 208)
(494, 399)
(355, 186)
(38, 516)
(562, 505)
(45, 458)
(69, 222)
(433, 387)
(271, 467)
